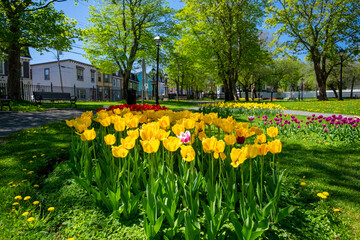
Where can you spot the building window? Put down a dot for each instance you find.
(92, 76)
(107, 93)
(99, 77)
(81, 93)
(106, 78)
(47, 74)
(80, 73)
(1, 67)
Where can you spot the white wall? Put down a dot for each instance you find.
(68, 72)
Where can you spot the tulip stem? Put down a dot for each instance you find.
(242, 181)
(261, 179)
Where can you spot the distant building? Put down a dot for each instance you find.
(77, 78)
(25, 59)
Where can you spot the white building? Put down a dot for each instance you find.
(76, 78)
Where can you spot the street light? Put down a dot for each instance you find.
(341, 53)
(158, 43)
(302, 89)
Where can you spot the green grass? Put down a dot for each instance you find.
(348, 106)
(333, 168)
(26, 106)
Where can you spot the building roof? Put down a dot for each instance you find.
(64, 60)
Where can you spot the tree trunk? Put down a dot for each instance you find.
(352, 87)
(321, 77)
(334, 90)
(125, 86)
(14, 71)
(246, 92)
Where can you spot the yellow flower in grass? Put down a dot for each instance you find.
(209, 144)
(260, 138)
(36, 186)
(36, 202)
(15, 203)
(110, 139)
(238, 156)
(275, 146)
(230, 139)
(187, 153)
(161, 134)
(172, 143)
(27, 198)
(128, 142)
(120, 151)
(150, 146)
(25, 214)
(303, 183)
(30, 172)
(326, 193)
(89, 135)
(164, 122)
(18, 198)
(133, 133)
(321, 195)
(272, 131)
(30, 219)
(336, 209)
(178, 129)
(120, 125)
(50, 209)
(105, 122)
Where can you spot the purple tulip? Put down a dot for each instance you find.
(355, 125)
(240, 140)
(251, 118)
(324, 125)
(326, 130)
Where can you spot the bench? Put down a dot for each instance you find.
(5, 102)
(54, 96)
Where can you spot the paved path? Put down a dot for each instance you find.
(15, 121)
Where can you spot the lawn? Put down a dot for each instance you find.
(26, 106)
(323, 165)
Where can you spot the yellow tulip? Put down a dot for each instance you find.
(133, 133)
(119, 125)
(263, 149)
(79, 127)
(105, 122)
(142, 118)
(120, 151)
(172, 143)
(237, 157)
(128, 142)
(161, 134)
(187, 153)
(189, 123)
(230, 139)
(260, 138)
(164, 122)
(89, 135)
(110, 139)
(202, 136)
(275, 146)
(150, 146)
(251, 151)
(88, 114)
(132, 122)
(219, 150)
(117, 111)
(199, 127)
(177, 129)
(209, 144)
(272, 132)
(70, 123)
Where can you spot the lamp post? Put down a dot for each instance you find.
(158, 43)
(153, 84)
(341, 53)
(302, 89)
(166, 86)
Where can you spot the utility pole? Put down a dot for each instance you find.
(58, 60)
(144, 79)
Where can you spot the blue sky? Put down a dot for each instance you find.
(80, 13)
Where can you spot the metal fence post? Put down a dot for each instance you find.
(51, 87)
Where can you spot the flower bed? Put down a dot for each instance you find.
(225, 109)
(335, 127)
(188, 173)
(134, 107)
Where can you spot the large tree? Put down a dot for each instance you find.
(31, 23)
(318, 28)
(122, 31)
(226, 32)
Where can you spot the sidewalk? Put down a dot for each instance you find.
(15, 121)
